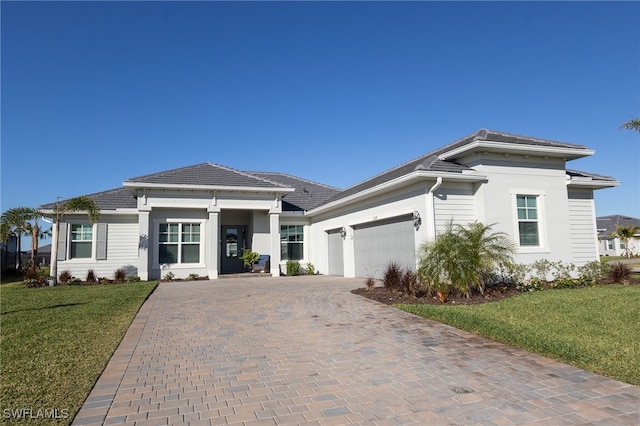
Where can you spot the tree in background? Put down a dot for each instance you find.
(19, 221)
(73, 205)
(625, 233)
(633, 124)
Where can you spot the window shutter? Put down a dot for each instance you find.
(62, 242)
(101, 242)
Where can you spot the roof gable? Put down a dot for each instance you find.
(204, 174)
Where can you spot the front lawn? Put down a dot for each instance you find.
(594, 328)
(57, 340)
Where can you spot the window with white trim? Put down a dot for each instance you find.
(179, 243)
(528, 226)
(610, 244)
(81, 246)
(291, 242)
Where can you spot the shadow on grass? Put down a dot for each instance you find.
(63, 305)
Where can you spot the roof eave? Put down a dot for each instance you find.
(523, 149)
(417, 175)
(593, 184)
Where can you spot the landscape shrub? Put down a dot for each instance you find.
(592, 273)
(541, 268)
(119, 276)
(370, 282)
(75, 281)
(619, 273)
(392, 277)
(133, 279)
(293, 267)
(35, 282)
(462, 257)
(91, 277)
(192, 277)
(310, 269)
(532, 284)
(169, 276)
(104, 280)
(65, 277)
(411, 284)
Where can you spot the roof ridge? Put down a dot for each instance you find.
(532, 138)
(298, 178)
(165, 172)
(243, 173)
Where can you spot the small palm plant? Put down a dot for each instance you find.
(625, 233)
(462, 257)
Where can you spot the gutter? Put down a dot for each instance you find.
(431, 210)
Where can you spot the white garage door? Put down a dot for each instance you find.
(376, 244)
(336, 253)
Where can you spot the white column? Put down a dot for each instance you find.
(274, 232)
(144, 242)
(213, 240)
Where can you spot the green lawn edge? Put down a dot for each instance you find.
(595, 329)
(56, 342)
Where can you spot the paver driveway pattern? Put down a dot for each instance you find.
(305, 350)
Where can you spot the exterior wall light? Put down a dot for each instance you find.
(417, 220)
(343, 232)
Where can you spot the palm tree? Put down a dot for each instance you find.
(20, 221)
(625, 233)
(462, 257)
(633, 124)
(73, 205)
(16, 222)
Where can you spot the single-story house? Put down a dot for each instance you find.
(614, 246)
(198, 219)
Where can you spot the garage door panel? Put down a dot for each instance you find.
(336, 253)
(376, 244)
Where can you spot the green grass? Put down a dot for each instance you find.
(595, 329)
(57, 340)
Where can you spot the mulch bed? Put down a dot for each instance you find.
(492, 294)
(390, 297)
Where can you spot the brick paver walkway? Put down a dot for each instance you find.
(306, 351)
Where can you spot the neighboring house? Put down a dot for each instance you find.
(44, 255)
(8, 253)
(612, 246)
(198, 219)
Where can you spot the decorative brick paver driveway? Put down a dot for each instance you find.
(306, 351)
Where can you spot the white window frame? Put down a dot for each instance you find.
(70, 242)
(303, 242)
(542, 246)
(179, 222)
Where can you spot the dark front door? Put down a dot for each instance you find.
(234, 240)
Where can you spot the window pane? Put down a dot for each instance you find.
(168, 253)
(528, 233)
(190, 253)
(521, 201)
(522, 214)
(80, 250)
(295, 251)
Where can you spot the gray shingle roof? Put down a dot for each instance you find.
(607, 224)
(577, 173)
(206, 174)
(431, 161)
(118, 198)
(495, 136)
(307, 195)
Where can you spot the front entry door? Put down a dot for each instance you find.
(234, 240)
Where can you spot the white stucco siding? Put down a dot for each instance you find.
(454, 201)
(582, 225)
(508, 177)
(383, 206)
(121, 251)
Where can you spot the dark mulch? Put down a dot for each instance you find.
(390, 297)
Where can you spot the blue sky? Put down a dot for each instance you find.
(94, 93)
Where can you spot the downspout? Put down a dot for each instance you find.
(431, 210)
